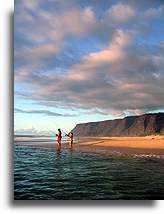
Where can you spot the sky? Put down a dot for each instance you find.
(86, 60)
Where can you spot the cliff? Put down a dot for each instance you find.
(146, 124)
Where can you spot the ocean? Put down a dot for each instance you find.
(45, 173)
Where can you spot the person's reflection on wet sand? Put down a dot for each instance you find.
(58, 149)
(71, 146)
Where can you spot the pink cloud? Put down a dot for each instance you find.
(121, 12)
(38, 52)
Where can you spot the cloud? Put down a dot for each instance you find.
(122, 73)
(104, 112)
(54, 25)
(121, 12)
(30, 4)
(28, 131)
(119, 78)
(39, 52)
(154, 12)
(44, 112)
(46, 34)
(34, 59)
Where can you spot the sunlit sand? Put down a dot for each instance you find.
(153, 144)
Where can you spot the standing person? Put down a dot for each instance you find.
(70, 135)
(59, 137)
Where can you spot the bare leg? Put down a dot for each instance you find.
(59, 144)
(71, 143)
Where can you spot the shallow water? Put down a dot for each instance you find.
(45, 173)
(31, 140)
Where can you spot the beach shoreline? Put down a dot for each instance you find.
(113, 145)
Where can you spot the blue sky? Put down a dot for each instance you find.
(79, 61)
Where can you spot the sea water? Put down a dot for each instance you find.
(68, 174)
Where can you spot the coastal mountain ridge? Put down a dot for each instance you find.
(147, 124)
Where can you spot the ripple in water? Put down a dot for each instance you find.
(47, 174)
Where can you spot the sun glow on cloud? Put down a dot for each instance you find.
(119, 72)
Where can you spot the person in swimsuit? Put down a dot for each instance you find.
(59, 137)
(70, 135)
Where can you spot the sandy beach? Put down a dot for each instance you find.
(148, 144)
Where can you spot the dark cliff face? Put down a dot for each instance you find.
(146, 124)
